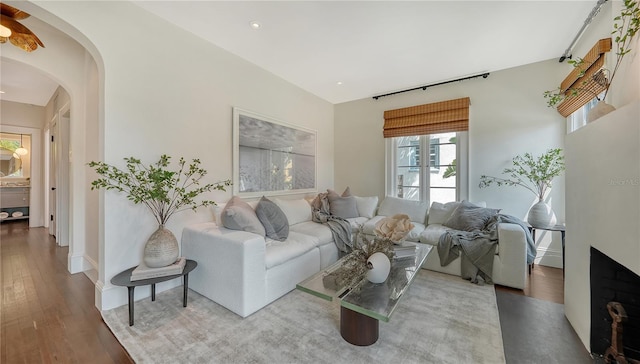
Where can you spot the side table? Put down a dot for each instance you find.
(560, 228)
(124, 279)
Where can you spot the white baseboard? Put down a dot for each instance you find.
(80, 263)
(549, 257)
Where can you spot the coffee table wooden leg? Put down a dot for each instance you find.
(358, 329)
(130, 289)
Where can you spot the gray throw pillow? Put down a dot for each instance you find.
(273, 219)
(469, 217)
(344, 206)
(239, 215)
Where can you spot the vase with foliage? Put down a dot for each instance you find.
(164, 192)
(625, 26)
(536, 175)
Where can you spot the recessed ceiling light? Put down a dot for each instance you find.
(255, 24)
(339, 83)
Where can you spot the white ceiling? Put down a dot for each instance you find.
(376, 47)
(25, 84)
(371, 47)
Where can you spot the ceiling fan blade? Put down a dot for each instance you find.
(12, 12)
(18, 29)
(24, 42)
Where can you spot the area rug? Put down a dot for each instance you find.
(441, 319)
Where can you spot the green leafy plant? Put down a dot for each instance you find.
(163, 191)
(534, 174)
(626, 26)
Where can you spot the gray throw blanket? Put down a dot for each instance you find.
(478, 248)
(340, 228)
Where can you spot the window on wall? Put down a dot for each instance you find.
(427, 148)
(436, 180)
(578, 118)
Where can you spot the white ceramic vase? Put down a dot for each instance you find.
(379, 267)
(601, 109)
(541, 215)
(161, 249)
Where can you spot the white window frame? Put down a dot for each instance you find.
(462, 167)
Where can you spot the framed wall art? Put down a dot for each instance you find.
(271, 157)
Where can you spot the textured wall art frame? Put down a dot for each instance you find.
(271, 157)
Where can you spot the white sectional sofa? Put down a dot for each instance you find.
(244, 271)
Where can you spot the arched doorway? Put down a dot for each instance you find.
(75, 106)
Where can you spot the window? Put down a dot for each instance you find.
(438, 180)
(578, 118)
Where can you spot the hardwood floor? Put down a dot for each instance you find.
(545, 283)
(48, 315)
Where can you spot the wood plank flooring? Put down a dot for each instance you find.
(48, 315)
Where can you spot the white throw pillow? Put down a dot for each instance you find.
(367, 206)
(296, 210)
(439, 212)
(416, 210)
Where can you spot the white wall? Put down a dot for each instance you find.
(167, 91)
(603, 206)
(508, 117)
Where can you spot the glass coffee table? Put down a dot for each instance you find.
(364, 304)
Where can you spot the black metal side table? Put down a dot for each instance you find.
(124, 279)
(560, 228)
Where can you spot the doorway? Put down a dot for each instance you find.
(58, 175)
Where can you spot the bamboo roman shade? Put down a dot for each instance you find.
(438, 117)
(586, 85)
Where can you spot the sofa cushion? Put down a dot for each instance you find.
(342, 206)
(275, 222)
(297, 210)
(431, 235)
(319, 231)
(416, 210)
(366, 206)
(469, 217)
(441, 212)
(356, 222)
(278, 252)
(238, 215)
(369, 228)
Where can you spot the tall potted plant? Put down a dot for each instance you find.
(163, 191)
(625, 27)
(536, 175)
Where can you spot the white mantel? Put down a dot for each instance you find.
(602, 204)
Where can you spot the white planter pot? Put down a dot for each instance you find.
(161, 249)
(541, 215)
(379, 267)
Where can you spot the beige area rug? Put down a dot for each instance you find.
(441, 319)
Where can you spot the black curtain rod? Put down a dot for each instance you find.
(483, 75)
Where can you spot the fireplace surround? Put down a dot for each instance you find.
(613, 282)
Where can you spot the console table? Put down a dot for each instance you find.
(124, 279)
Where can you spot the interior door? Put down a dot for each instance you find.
(53, 171)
